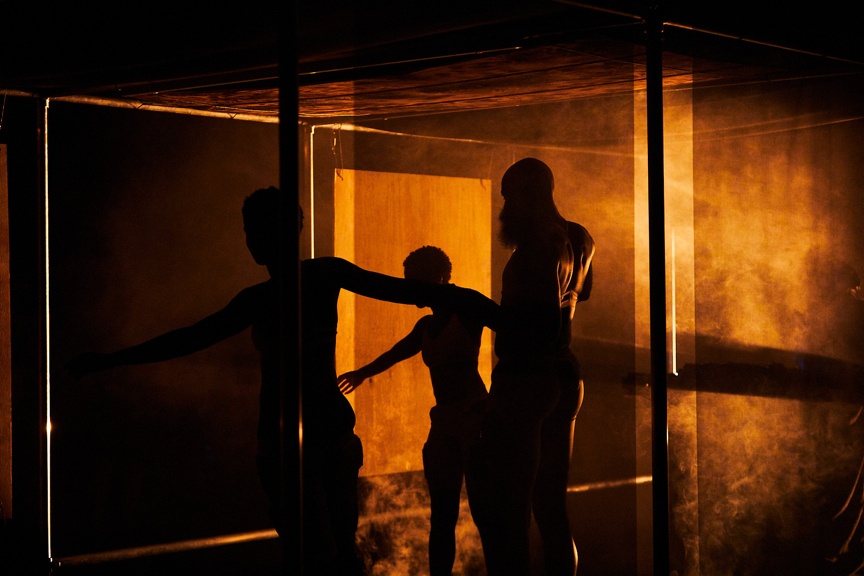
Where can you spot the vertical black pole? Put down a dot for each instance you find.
(657, 277)
(44, 380)
(291, 420)
(26, 532)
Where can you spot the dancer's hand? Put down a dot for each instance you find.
(349, 381)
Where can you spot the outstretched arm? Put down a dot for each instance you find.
(402, 350)
(216, 327)
(467, 303)
(463, 301)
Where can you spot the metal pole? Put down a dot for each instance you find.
(290, 336)
(657, 277)
(46, 330)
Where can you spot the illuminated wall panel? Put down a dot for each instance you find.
(764, 420)
(380, 218)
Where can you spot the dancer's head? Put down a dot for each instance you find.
(261, 222)
(527, 191)
(429, 264)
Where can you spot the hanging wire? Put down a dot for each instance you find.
(491, 164)
(336, 150)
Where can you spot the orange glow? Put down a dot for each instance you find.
(380, 218)
(743, 463)
(395, 519)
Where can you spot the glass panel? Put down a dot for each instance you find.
(146, 236)
(763, 171)
(591, 149)
(765, 434)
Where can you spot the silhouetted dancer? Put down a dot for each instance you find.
(523, 457)
(450, 346)
(332, 453)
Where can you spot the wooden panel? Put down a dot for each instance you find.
(380, 219)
